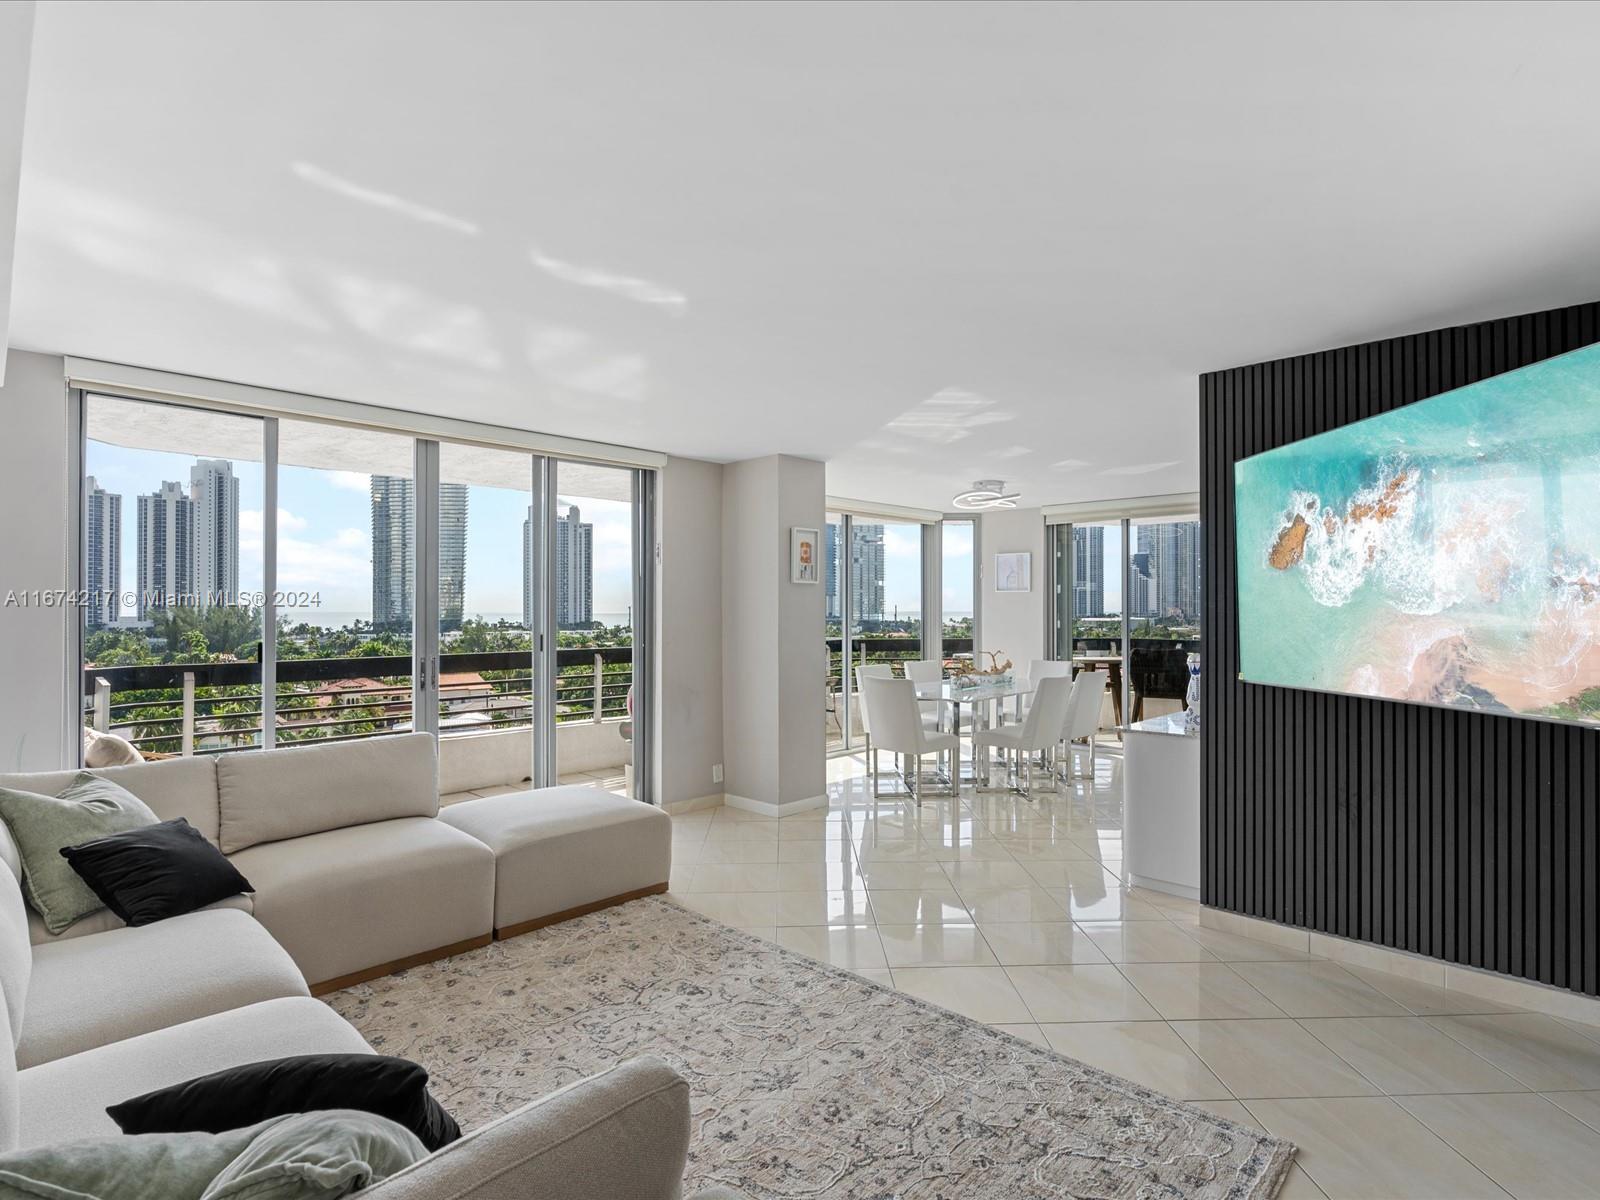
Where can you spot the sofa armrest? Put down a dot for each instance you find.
(622, 1134)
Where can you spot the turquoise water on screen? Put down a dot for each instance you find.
(1482, 575)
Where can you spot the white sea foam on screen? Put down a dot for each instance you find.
(1468, 542)
(1340, 552)
(1470, 553)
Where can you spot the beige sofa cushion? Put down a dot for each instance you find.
(621, 1133)
(104, 919)
(89, 991)
(267, 796)
(10, 1100)
(16, 954)
(562, 848)
(174, 787)
(67, 1098)
(349, 899)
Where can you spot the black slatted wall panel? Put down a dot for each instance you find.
(1466, 837)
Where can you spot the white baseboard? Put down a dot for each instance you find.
(1471, 981)
(695, 804)
(1163, 885)
(766, 809)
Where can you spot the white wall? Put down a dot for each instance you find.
(1012, 623)
(749, 626)
(802, 655)
(34, 470)
(773, 665)
(689, 631)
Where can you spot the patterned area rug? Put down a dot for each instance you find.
(807, 1080)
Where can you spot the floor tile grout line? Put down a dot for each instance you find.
(1432, 1022)
(1472, 1165)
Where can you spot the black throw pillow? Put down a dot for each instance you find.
(155, 871)
(239, 1096)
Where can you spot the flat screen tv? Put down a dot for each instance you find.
(1444, 553)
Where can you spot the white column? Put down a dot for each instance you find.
(773, 654)
(37, 467)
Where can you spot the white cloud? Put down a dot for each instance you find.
(903, 542)
(250, 525)
(350, 481)
(337, 568)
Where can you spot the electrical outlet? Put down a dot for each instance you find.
(716, 772)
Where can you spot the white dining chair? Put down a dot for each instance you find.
(1083, 717)
(934, 712)
(1036, 734)
(869, 671)
(924, 671)
(897, 725)
(1044, 668)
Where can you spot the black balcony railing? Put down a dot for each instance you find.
(885, 649)
(204, 708)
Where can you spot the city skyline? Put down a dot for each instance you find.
(326, 545)
(394, 567)
(887, 570)
(574, 569)
(1164, 577)
(102, 522)
(214, 496)
(1172, 565)
(166, 547)
(867, 567)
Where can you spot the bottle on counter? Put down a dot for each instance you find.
(1192, 696)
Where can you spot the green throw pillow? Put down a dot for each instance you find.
(151, 1166)
(89, 807)
(306, 1156)
(317, 1156)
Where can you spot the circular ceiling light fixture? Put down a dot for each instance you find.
(985, 493)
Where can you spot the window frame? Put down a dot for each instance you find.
(544, 454)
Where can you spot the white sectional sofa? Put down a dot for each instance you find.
(355, 876)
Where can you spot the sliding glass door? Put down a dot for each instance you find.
(1126, 600)
(875, 607)
(172, 570)
(888, 560)
(260, 580)
(594, 557)
(958, 587)
(1164, 564)
(346, 582)
(836, 579)
(485, 516)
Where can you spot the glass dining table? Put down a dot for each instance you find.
(983, 702)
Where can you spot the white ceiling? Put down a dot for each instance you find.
(928, 243)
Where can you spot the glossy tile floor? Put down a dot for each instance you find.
(1014, 913)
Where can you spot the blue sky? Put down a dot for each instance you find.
(325, 534)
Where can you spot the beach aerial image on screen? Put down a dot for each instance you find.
(1447, 552)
